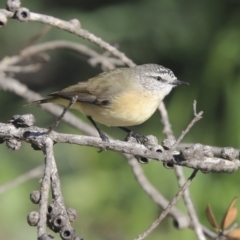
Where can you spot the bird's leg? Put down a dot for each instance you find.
(139, 138)
(101, 133)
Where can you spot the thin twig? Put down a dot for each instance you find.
(23, 69)
(75, 29)
(168, 208)
(37, 36)
(167, 128)
(71, 102)
(13, 85)
(189, 204)
(33, 173)
(31, 51)
(180, 175)
(197, 117)
(181, 219)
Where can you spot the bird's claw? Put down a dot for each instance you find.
(138, 137)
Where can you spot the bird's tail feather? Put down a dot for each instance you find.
(46, 100)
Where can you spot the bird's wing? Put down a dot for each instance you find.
(107, 84)
(79, 90)
(98, 90)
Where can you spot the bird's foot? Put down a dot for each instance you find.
(104, 139)
(138, 137)
(103, 136)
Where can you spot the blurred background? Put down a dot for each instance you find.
(199, 41)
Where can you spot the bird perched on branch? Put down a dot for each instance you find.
(121, 97)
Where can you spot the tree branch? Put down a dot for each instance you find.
(36, 136)
(71, 27)
(168, 208)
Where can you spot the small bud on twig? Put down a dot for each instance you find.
(26, 120)
(33, 218)
(228, 153)
(35, 197)
(67, 233)
(13, 5)
(168, 143)
(208, 151)
(22, 14)
(72, 214)
(75, 22)
(59, 222)
(13, 144)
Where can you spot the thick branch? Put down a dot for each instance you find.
(45, 187)
(37, 137)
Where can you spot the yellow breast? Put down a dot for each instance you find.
(127, 109)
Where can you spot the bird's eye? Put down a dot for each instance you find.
(159, 78)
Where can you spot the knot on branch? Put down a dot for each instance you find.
(208, 151)
(26, 120)
(58, 223)
(72, 214)
(22, 14)
(35, 197)
(67, 233)
(195, 151)
(13, 144)
(75, 22)
(228, 153)
(150, 142)
(168, 143)
(33, 218)
(13, 5)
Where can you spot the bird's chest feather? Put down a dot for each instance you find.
(126, 109)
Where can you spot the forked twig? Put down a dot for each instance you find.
(197, 117)
(168, 208)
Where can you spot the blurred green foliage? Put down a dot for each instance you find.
(200, 42)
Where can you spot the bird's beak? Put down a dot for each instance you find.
(178, 82)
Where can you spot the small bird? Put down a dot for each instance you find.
(120, 97)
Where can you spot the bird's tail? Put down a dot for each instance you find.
(38, 102)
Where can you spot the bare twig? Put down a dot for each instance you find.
(197, 117)
(71, 102)
(168, 208)
(33, 173)
(31, 51)
(167, 128)
(36, 136)
(37, 36)
(189, 205)
(180, 175)
(181, 219)
(75, 29)
(45, 187)
(23, 69)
